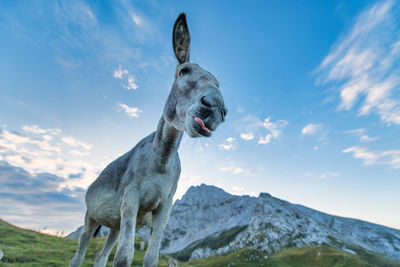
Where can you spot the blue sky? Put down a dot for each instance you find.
(312, 89)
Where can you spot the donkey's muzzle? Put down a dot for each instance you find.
(213, 103)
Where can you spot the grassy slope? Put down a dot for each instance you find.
(213, 242)
(308, 256)
(28, 248)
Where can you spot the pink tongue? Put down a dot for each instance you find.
(201, 123)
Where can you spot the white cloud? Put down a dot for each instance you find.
(123, 74)
(361, 133)
(364, 63)
(33, 129)
(138, 21)
(275, 128)
(74, 142)
(131, 111)
(229, 144)
(131, 83)
(240, 110)
(329, 174)
(387, 157)
(252, 127)
(238, 188)
(233, 170)
(311, 129)
(366, 138)
(358, 132)
(265, 140)
(249, 123)
(45, 150)
(247, 136)
(78, 153)
(119, 73)
(90, 14)
(324, 175)
(28, 194)
(143, 27)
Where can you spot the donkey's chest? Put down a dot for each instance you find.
(154, 191)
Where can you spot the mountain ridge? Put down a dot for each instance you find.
(266, 223)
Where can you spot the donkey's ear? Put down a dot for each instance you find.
(181, 39)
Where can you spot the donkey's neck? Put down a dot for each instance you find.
(166, 141)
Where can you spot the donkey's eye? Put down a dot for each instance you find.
(184, 71)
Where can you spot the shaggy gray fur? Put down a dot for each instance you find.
(138, 188)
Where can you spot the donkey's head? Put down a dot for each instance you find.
(195, 104)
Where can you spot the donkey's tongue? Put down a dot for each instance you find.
(201, 123)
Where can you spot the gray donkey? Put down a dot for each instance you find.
(138, 188)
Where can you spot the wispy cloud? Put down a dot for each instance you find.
(76, 143)
(275, 128)
(143, 27)
(329, 174)
(386, 157)
(231, 169)
(35, 129)
(265, 140)
(137, 20)
(366, 138)
(49, 150)
(74, 28)
(28, 193)
(229, 144)
(361, 133)
(311, 129)
(129, 79)
(252, 127)
(240, 190)
(324, 175)
(247, 136)
(363, 64)
(131, 111)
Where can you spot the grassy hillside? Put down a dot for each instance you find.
(23, 247)
(213, 242)
(28, 248)
(309, 256)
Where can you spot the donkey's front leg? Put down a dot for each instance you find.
(125, 250)
(159, 221)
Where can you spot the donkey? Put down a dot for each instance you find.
(138, 188)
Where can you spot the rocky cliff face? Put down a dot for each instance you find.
(208, 221)
(276, 224)
(205, 210)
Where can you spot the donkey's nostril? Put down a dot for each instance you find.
(206, 102)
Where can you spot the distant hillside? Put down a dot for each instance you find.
(314, 256)
(29, 248)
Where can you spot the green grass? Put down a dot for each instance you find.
(23, 247)
(314, 256)
(242, 257)
(213, 242)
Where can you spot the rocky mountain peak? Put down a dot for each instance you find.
(264, 195)
(204, 192)
(207, 215)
